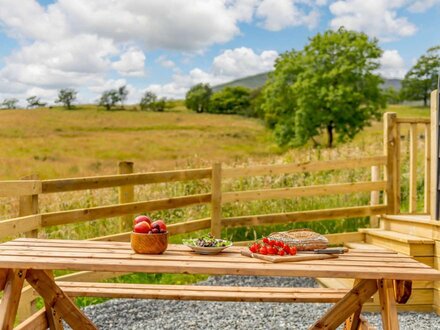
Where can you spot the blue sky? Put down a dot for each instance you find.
(168, 46)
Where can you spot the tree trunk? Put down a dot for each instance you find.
(330, 135)
(425, 100)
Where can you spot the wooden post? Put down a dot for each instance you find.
(390, 140)
(374, 199)
(28, 205)
(427, 183)
(126, 195)
(388, 305)
(434, 159)
(216, 200)
(413, 168)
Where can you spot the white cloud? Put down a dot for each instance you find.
(131, 63)
(231, 64)
(420, 6)
(377, 18)
(165, 62)
(392, 65)
(279, 14)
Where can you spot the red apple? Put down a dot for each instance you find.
(141, 218)
(142, 227)
(159, 224)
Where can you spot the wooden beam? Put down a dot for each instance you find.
(28, 205)
(427, 178)
(402, 291)
(374, 195)
(3, 278)
(15, 226)
(318, 190)
(238, 172)
(413, 120)
(216, 200)
(20, 188)
(53, 318)
(388, 305)
(315, 215)
(433, 151)
(11, 298)
(390, 140)
(58, 301)
(62, 185)
(413, 168)
(351, 302)
(65, 217)
(126, 195)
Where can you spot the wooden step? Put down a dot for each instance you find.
(366, 246)
(417, 225)
(400, 242)
(206, 293)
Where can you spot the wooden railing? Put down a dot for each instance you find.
(409, 132)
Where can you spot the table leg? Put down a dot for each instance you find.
(53, 318)
(388, 305)
(11, 297)
(349, 304)
(58, 301)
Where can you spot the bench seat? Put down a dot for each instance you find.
(206, 293)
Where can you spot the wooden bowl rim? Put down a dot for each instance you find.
(152, 234)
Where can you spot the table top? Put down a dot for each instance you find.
(29, 253)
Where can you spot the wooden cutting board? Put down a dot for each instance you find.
(298, 257)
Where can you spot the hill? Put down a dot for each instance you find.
(258, 80)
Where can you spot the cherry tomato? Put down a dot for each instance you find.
(262, 250)
(293, 250)
(281, 252)
(265, 240)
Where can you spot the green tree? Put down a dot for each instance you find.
(67, 96)
(34, 102)
(198, 97)
(392, 95)
(109, 99)
(147, 101)
(328, 87)
(122, 93)
(231, 100)
(421, 79)
(10, 103)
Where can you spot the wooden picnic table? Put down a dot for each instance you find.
(35, 259)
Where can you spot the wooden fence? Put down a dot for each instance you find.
(30, 221)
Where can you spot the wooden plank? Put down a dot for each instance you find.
(390, 139)
(427, 178)
(374, 196)
(295, 258)
(433, 151)
(354, 321)
(122, 237)
(341, 238)
(353, 301)
(397, 168)
(204, 293)
(3, 278)
(301, 216)
(222, 268)
(216, 200)
(402, 291)
(64, 217)
(11, 298)
(413, 120)
(303, 167)
(413, 169)
(37, 321)
(189, 226)
(14, 188)
(61, 303)
(15, 226)
(126, 195)
(388, 305)
(318, 190)
(62, 185)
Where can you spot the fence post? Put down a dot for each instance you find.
(390, 142)
(216, 200)
(126, 195)
(28, 205)
(374, 199)
(434, 155)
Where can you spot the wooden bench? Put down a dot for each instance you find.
(199, 292)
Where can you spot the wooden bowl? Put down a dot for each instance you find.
(149, 243)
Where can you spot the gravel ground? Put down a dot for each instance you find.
(164, 314)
